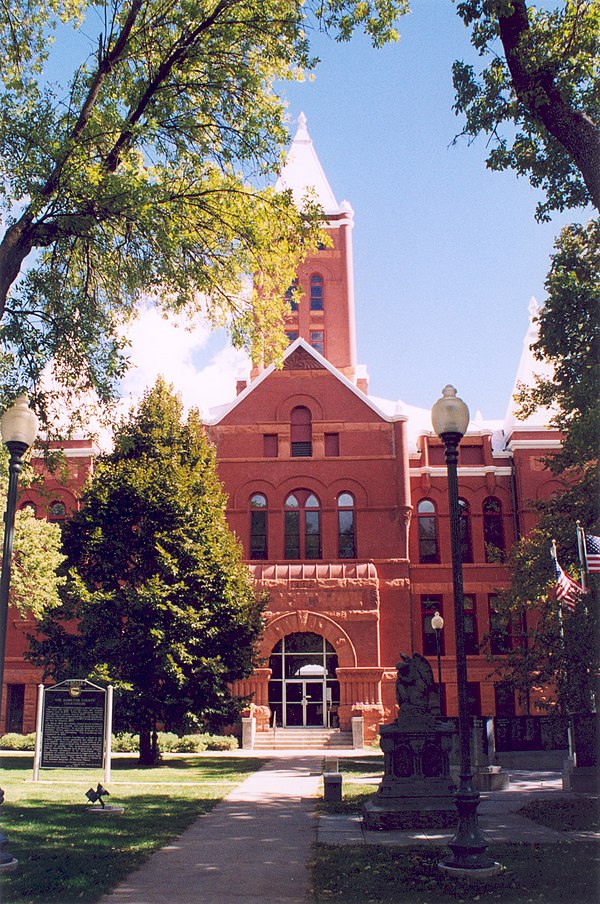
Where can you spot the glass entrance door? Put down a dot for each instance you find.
(303, 690)
(304, 703)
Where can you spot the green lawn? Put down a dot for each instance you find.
(66, 855)
(532, 874)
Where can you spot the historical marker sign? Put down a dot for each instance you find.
(73, 725)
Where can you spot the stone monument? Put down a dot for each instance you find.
(416, 790)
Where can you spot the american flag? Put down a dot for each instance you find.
(592, 552)
(568, 591)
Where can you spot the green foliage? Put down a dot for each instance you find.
(142, 177)
(579, 814)
(538, 99)
(165, 607)
(552, 656)
(569, 338)
(14, 741)
(37, 557)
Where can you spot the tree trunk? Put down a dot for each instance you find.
(540, 95)
(149, 755)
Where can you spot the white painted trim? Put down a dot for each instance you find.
(301, 343)
(534, 444)
(462, 472)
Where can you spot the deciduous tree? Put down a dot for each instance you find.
(142, 175)
(165, 609)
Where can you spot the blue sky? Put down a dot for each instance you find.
(447, 253)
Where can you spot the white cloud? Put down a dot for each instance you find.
(201, 364)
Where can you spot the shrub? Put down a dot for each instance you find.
(221, 742)
(125, 742)
(167, 741)
(190, 744)
(14, 741)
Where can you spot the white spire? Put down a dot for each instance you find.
(529, 367)
(302, 171)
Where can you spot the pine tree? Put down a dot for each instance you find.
(165, 608)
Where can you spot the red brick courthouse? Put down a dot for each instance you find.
(340, 502)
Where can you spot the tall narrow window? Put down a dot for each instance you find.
(312, 528)
(346, 527)
(466, 545)
(429, 606)
(301, 432)
(291, 295)
(302, 526)
(493, 530)
(259, 547)
(501, 640)
(471, 647)
(427, 526)
(316, 292)
(317, 341)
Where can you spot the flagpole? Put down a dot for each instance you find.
(582, 550)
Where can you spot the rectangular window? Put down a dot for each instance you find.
(346, 537)
(500, 629)
(332, 445)
(473, 698)
(292, 535)
(504, 698)
(429, 606)
(317, 341)
(258, 534)
(15, 707)
(270, 445)
(291, 335)
(313, 535)
(471, 648)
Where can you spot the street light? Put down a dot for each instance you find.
(437, 623)
(19, 426)
(450, 419)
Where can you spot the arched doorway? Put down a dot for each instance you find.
(303, 690)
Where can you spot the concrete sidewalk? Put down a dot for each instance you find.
(254, 847)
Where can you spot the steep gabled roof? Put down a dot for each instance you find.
(301, 356)
(528, 369)
(302, 172)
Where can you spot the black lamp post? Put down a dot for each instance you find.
(19, 427)
(437, 623)
(450, 419)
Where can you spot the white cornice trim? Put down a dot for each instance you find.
(301, 343)
(534, 444)
(462, 472)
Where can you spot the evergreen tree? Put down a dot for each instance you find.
(164, 606)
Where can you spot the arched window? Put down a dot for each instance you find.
(493, 529)
(346, 527)
(291, 295)
(302, 526)
(316, 292)
(301, 432)
(428, 532)
(259, 545)
(57, 511)
(466, 546)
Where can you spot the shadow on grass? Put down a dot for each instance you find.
(66, 854)
(542, 874)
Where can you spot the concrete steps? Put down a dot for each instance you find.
(303, 739)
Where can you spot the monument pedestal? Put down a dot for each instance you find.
(416, 790)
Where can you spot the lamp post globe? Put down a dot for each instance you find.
(450, 420)
(437, 623)
(19, 426)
